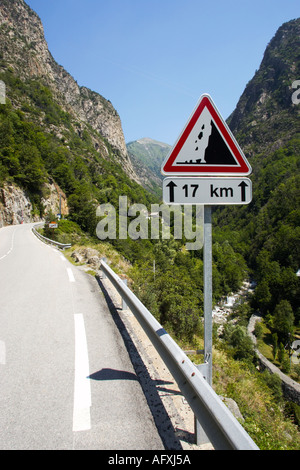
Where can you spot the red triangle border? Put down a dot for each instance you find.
(243, 167)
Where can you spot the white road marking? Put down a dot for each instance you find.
(2, 353)
(82, 387)
(11, 247)
(71, 275)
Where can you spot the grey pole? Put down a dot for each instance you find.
(207, 267)
(124, 305)
(206, 368)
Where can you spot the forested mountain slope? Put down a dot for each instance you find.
(266, 123)
(52, 130)
(266, 118)
(150, 153)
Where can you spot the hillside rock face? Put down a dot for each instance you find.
(55, 200)
(24, 52)
(23, 47)
(262, 115)
(15, 206)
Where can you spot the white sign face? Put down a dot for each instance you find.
(207, 191)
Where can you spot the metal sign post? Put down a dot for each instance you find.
(207, 278)
(206, 147)
(206, 367)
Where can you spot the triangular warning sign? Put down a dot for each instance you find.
(206, 146)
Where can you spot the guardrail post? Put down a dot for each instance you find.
(200, 435)
(124, 305)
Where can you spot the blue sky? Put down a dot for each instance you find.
(154, 58)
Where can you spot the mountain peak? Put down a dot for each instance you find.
(147, 140)
(147, 156)
(261, 115)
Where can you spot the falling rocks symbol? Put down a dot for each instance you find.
(206, 146)
(217, 151)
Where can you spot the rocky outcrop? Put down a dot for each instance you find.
(87, 256)
(233, 407)
(16, 207)
(54, 199)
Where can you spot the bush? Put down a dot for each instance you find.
(273, 381)
(292, 411)
(284, 320)
(258, 330)
(239, 343)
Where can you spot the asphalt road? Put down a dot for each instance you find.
(66, 380)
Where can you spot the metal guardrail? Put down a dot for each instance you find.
(221, 427)
(48, 240)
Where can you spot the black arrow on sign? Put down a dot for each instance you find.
(243, 186)
(172, 185)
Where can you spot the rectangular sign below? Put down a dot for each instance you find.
(207, 191)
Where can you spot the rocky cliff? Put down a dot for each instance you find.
(52, 131)
(265, 116)
(16, 206)
(23, 48)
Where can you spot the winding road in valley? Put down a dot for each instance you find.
(66, 379)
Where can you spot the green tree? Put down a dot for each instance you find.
(47, 231)
(275, 344)
(83, 208)
(281, 353)
(284, 321)
(242, 344)
(238, 342)
(262, 296)
(258, 330)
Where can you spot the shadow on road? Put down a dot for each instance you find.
(161, 418)
(112, 374)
